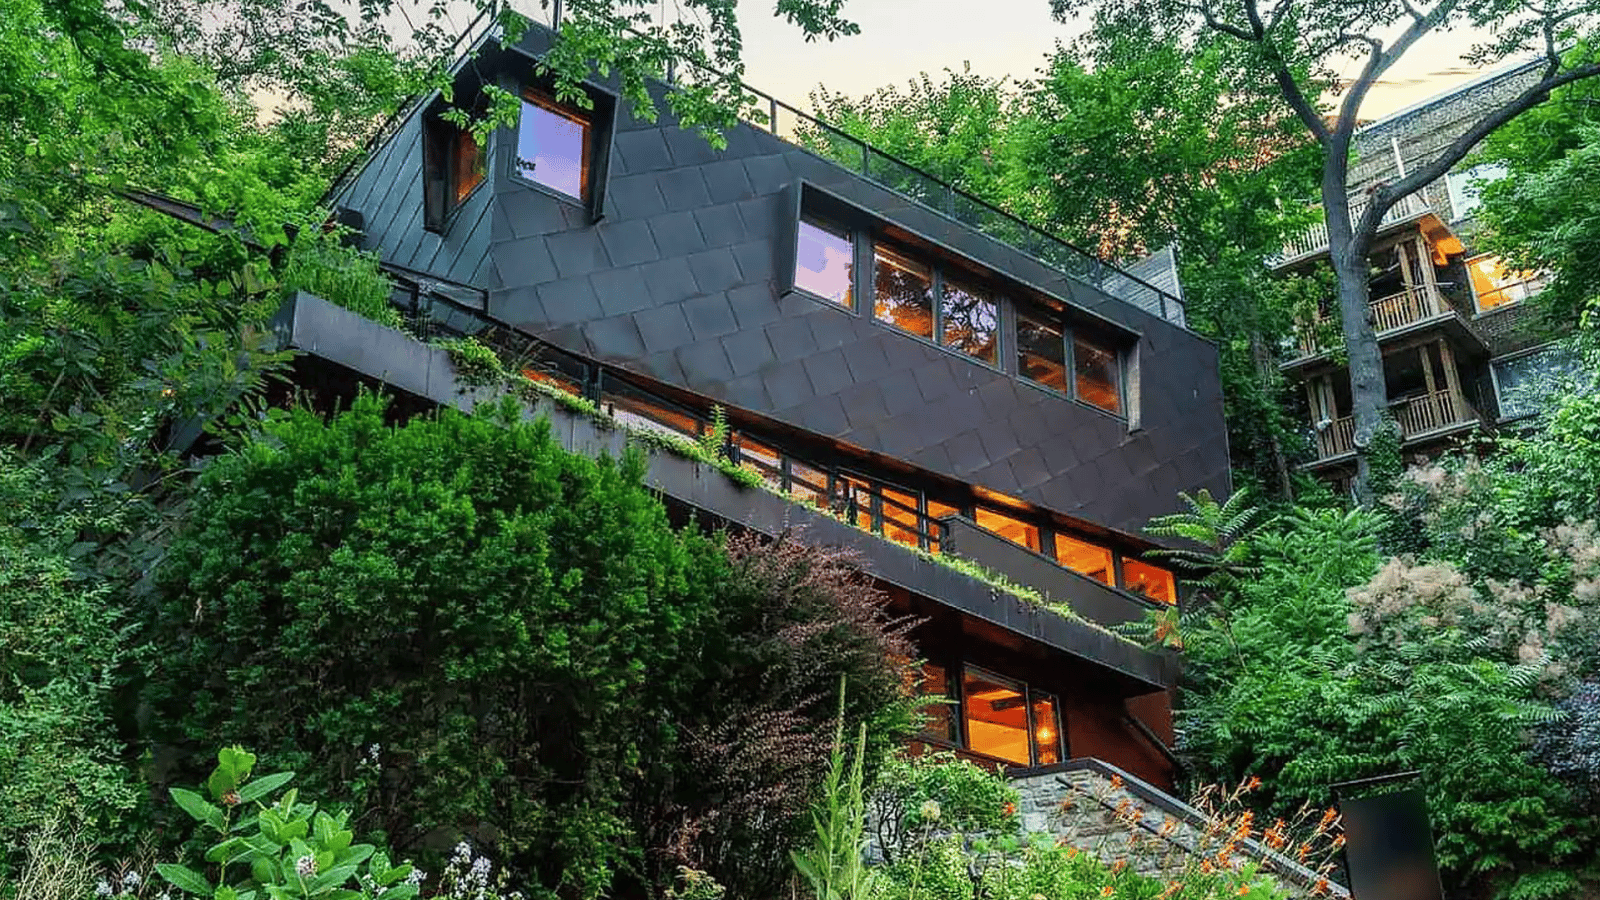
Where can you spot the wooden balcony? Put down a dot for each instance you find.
(1314, 240)
(1417, 417)
(1389, 314)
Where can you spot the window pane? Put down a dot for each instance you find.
(553, 147)
(938, 716)
(468, 164)
(1046, 729)
(1097, 375)
(904, 292)
(1494, 285)
(1041, 354)
(1151, 581)
(823, 262)
(1081, 556)
(807, 484)
(1014, 530)
(937, 510)
(765, 460)
(900, 517)
(859, 490)
(995, 714)
(971, 322)
(638, 412)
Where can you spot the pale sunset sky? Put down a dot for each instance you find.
(901, 38)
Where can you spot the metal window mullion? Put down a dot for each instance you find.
(1069, 357)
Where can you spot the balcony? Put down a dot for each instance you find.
(1389, 314)
(1419, 417)
(1314, 240)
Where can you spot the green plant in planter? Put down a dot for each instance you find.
(287, 850)
(476, 364)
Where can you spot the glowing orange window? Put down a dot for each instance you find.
(1046, 728)
(1152, 581)
(936, 511)
(1084, 557)
(1494, 285)
(900, 517)
(995, 713)
(1012, 529)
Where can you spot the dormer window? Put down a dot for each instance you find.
(554, 146)
(452, 168)
(824, 261)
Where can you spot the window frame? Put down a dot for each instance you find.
(1070, 335)
(956, 678)
(532, 94)
(440, 170)
(1541, 279)
(601, 117)
(851, 237)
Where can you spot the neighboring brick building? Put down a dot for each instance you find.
(1459, 346)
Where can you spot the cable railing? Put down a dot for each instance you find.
(829, 142)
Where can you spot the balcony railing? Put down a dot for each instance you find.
(1389, 313)
(1417, 416)
(1314, 240)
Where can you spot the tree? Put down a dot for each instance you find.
(1199, 163)
(1292, 45)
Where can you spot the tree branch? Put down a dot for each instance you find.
(1458, 149)
(1287, 86)
(1383, 59)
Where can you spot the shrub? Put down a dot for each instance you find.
(916, 798)
(541, 661)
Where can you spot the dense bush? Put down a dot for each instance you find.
(475, 632)
(62, 640)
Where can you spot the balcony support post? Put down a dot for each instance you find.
(1427, 370)
(1458, 402)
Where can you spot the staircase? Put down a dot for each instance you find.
(1103, 810)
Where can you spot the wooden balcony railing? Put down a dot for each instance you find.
(1388, 313)
(1417, 416)
(1315, 239)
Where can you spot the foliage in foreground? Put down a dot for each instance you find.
(1469, 656)
(462, 626)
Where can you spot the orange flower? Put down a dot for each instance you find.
(1304, 851)
(1010, 809)
(1071, 852)
(1244, 889)
(1107, 891)
(1168, 826)
(1119, 865)
(1205, 866)
(1321, 887)
(1253, 783)
(1327, 819)
(1338, 841)
(1116, 782)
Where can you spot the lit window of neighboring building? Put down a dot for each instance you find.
(1495, 285)
(1152, 581)
(553, 146)
(902, 292)
(824, 262)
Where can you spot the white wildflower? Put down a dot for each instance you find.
(101, 889)
(131, 881)
(930, 810)
(305, 866)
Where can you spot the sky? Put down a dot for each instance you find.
(901, 38)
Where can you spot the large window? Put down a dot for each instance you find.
(1042, 354)
(1152, 581)
(1005, 719)
(970, 321)
(452, 168)
(824, 262)
(1009, 527)
(1466, 187)
(1084, 557)
(1495, 285)
(1526, 383)
(553, 146)
(902, 292)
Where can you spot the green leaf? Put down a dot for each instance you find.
(260, 787)
(395, 874)
(184, 879)
(400, 892)
(197, 807)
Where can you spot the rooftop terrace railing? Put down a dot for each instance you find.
(856, 155)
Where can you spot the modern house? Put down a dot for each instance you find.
(912, 374)
(1459, 345)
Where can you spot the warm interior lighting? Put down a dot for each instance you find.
(553, 146)
(1014, 530)
(1041, 353)
(900, 517)
(1046, 728)
(468, 166)
(1083, 557)
(1494, 285)
(1098, 375)
(635, 411)
(824, 262)
(936, 511)
(808, 485)
(1152, 581)
(902, 292)
(995, 713)
(554, 381)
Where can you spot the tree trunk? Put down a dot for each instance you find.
(1368, 393)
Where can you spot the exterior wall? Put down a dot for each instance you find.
(388, 194)
(678, 283)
